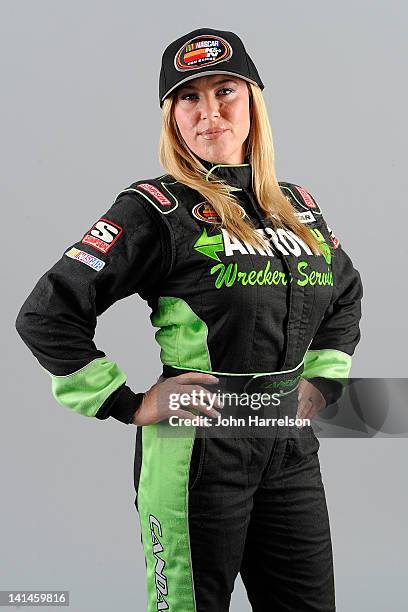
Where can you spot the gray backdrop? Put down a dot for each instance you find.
(81, 121)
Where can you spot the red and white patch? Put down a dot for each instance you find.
(156, 193)
(306, 197)
(103, 235)
(335, 241)
(300, 197)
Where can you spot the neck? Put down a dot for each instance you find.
(238, 176)
(210, 164)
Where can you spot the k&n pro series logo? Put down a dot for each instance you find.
(202, 51)
(205, 212)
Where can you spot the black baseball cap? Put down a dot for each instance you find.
(202, 52)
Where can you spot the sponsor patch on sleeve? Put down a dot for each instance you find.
(86, 258)
(103, 235)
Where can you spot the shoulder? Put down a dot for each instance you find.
(160, 194)
(140, 210)
(301, 198)
(308, 209)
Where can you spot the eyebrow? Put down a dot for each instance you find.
(215, 84)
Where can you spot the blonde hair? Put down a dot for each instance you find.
(179, 161)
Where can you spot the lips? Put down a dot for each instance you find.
(212, 133)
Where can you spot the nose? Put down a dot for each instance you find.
(209, 107)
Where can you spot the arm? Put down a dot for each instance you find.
(126, 251)
(329, 356)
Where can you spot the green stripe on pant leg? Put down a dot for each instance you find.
(164, 476)
(163, 515)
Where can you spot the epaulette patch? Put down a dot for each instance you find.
(300, 196)
(162, 199)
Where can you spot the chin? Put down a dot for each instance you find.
(215, 154)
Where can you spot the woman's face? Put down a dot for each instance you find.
(212, 114)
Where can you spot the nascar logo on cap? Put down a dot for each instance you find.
(202, 51)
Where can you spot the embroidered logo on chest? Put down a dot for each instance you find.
(205, 212)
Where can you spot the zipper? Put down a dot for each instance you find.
(251, 197)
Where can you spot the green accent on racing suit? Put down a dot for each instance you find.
(182, 334)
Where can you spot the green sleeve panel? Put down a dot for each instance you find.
(327, 363)
(86, 390)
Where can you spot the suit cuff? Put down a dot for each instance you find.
(329, 388)
(121, 405)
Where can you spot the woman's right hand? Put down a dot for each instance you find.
(155, 406)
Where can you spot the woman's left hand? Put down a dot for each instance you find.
(310, 400)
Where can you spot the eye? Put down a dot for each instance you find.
(226, 89)
(187, 96)
(190, 96)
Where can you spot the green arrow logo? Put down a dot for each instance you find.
(209, 245)
(324, 247)
(326, 252)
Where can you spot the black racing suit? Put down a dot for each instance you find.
(224, 307)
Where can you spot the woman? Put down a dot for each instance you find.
(250, 291)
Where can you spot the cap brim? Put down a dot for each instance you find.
(204, 73)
